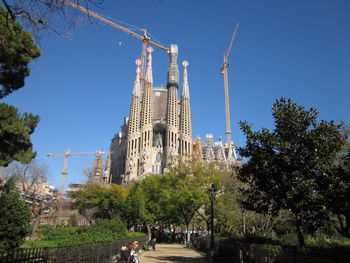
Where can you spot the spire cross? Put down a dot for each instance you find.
(150, 50)
(149, 77)
(137, 85)
(185, 91)
(138, 63)
(185, 64)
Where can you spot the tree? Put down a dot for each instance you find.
(339, 194)
(104, 202)
(185, 191)
(144, 202)
(15, 217)
(289, 168)
(228, 212)
(15, 131)
(32, 183)
(42, 15)
(137, 213)
(17, 50)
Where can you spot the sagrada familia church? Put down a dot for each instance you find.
(158, 131)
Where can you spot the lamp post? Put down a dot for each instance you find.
(212, 192)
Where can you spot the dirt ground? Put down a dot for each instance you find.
(172, 253)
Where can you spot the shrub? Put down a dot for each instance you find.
(15, 219)
(101, 230)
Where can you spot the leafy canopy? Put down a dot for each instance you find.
(17, 50)
(105, 202)
(15, 217)
(15, 131)
(290, 167)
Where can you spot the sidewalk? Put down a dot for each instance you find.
(172, 253)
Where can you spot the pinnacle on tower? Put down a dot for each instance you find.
(185, 89)
(173, 71)
(137, 83)
(149, 75)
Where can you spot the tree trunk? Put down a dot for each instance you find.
(300, 234)
(188, 235)
(35, 224)
(149, 231)
(347, 226)
(244, 222)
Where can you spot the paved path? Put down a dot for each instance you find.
(172, 253)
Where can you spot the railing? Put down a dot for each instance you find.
(235, 252)
(83, 253)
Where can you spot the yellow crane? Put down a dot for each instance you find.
(224, 68)
(144, 38)
(66, 155)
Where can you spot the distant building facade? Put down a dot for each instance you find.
(212, 151)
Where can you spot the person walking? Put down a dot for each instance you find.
(134, 253)
(152, 243)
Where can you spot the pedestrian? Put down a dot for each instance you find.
(152, 243)
(125, 253)
(134, 253)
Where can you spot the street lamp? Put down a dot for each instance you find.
(212, 192)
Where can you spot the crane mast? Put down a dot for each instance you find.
(144, 38)
(224, 72)
(64, 171)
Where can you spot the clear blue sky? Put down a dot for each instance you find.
(81, 88)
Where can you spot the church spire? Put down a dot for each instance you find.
(137, 84)
(149, 74)
(185, 147)
(185, 89)
(173, 71)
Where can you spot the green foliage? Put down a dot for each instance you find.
(17, 49)
(106, 202)
(136, 206)
(339, 194)
(152, 191)
(15, 217)
(227, 210)
(290, 240)
(185, 190)
(15, 131)
(101, 230)
(291, 168)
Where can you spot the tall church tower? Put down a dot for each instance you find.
(134, 134)
(185, 147)
(159, 127)
(172, 115)
(146, 119)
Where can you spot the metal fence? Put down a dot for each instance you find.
(83, 253)
(235, 252)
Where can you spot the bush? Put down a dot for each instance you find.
(15, 219)
(101, 230)
(289, 240)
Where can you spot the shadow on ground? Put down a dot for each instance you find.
(176, 259)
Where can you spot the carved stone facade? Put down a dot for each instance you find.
(158, 129)
(218, 152)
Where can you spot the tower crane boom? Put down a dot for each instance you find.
(66, 155)
(145, 39)
(224, 72)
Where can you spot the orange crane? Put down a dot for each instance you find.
(144, 38)
(227, 98)
(65, 163)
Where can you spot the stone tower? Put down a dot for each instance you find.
(159, 129)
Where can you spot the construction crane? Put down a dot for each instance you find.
(66, 155)
(224, 68)
(144, 38)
